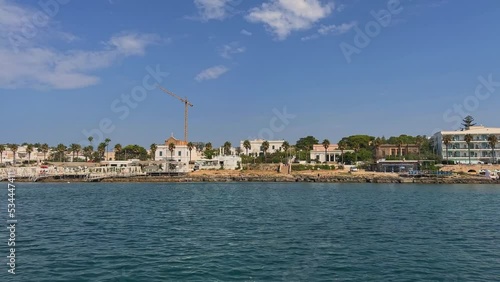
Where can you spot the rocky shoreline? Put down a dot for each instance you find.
(255, 177)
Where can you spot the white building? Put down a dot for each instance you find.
(219, 162)
(180, 154)
(332, 154)
(22, 155)
(256, 147)
(480, 149)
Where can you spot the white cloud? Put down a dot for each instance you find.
(282, 17)
(229, 49)
(27, 61)
(212, 9)
(49, 68)
(330, 29)
(336, 29)
(211, 73)
(246, 32)
(132, 43)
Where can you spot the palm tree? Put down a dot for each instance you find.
(118, 149)
(72, 149)
(247, 145)
(418, 141)
(87, 152)
(326, 145)
(106, 141)
(208, 146)
(45, 149)
(171, 148)
(376, 144)
(13, 148)
(77, 149)
(356, 146)
(2, 149)
(190, 146)
(29, 149)
(468, 138)
(101, 149)
(61, 148)
(342, 146)
(265, 147)
(446, 142)
(90, 141)
(285, 147)
(492, 140)
(227, 148)
(153, 149)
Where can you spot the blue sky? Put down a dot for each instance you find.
(65, 66)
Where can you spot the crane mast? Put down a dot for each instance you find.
(187, 104)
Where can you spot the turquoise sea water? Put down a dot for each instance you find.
(254, 232)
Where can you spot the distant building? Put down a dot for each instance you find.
(390, 150)
(480, 150)
(395, 166)
(256, 147)
(180, 154)
(332, 154)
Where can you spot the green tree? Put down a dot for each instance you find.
(190, 147)
(492, 140)
(419, 140)
(2, 149)
(171, 148)
(227, 148)
(306, 143)
(265, 147)
(446, 142)
(61, 149)
(101, 149)
(14, 148)
(78, 149)
(326, 145)
(467, 122)
(135, 152)
(106, 141)
(247, 146)
(468, 139)
(73, 148)
(286, 147)
(153, 149)
(45, 149)
(208, 152)
(90, 140)
(29, 150)
(342, 147)
(118, 151)
(87, 152)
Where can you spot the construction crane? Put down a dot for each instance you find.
(186, 105)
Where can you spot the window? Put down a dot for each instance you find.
(179, 153)
(273, 147)
(161, 153)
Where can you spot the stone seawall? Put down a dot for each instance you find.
(346, 178)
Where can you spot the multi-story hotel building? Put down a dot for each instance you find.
(480, 149)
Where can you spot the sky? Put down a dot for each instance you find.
(272, 69)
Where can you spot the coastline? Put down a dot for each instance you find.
(266, 176)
